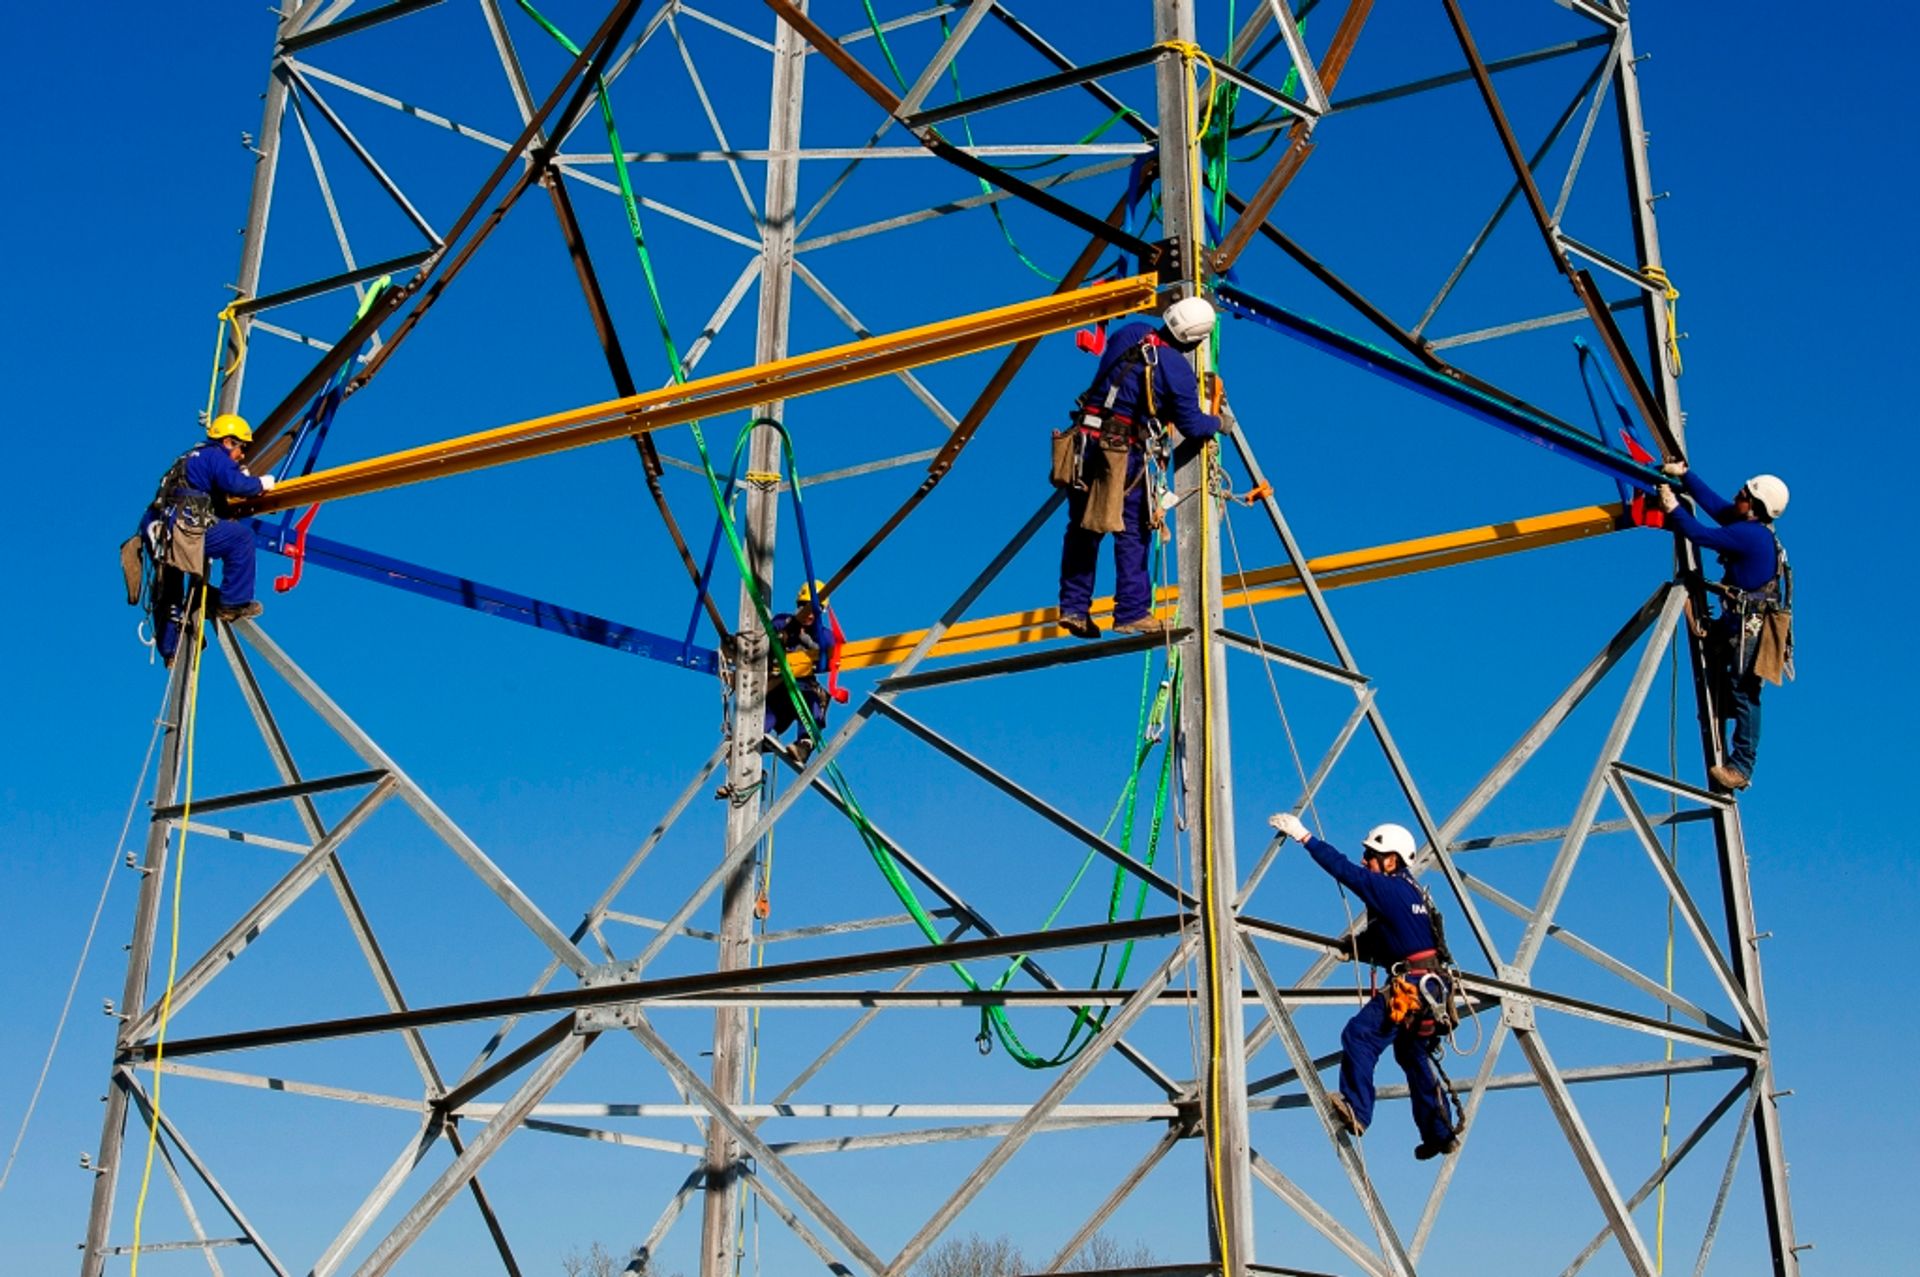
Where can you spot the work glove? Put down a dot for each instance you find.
(1343, 947)
(1674, 468)
(266, 482)
(1289, 826)
(1668, 501)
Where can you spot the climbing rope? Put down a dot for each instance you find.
(192, 718)
(1286, 728)
(1672, 295)
(219, 373)
(997, 1026)
(966, 128)
(86, 947)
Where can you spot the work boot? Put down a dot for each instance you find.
(239, 611)
(1343, 1114)
(1148, 624)
(1445, 1148)
(1079, 625)
(802, 751)
(1731, 779)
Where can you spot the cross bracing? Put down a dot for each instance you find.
(1200, 1092)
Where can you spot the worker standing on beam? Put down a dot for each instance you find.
(1403, 934)
(183, 526)
(1752, 637)
(812, 642)
(1112, 458)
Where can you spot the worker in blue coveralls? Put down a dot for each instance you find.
(1403, 934)
(182, 528)
(1751, 637)
(809, 645)
(1144, 384)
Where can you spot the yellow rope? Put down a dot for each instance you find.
(173, 944)
(1209, 918)
(1659, 277)
(219, 348)
(1210, 923)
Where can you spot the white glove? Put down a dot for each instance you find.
(266, 482)
(1289, 826)
(1668, 501)
(1674, 468)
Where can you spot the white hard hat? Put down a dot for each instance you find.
(1189, 320)
(1769, 493)
(1391, 840)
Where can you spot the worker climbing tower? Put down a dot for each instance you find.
(1031, 959)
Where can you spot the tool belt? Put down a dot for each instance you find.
(1756, 626)
(1419, 995)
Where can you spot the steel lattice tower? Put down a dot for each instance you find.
(1177, 1066)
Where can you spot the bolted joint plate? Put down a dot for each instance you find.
(1516, 1011)
(600, 1019)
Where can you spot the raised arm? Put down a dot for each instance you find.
(1711, 503)
(1180, 394)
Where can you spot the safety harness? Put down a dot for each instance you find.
(1421, 1000)
(168, 546)
(1096, 429)
(1749, 615)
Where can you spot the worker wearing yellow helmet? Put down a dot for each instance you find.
(809, 643)
(183, 526)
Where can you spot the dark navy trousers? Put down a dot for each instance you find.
(1368, 1034)
(1080, 555)
(229, 541)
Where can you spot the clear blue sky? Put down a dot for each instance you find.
(1784, 150)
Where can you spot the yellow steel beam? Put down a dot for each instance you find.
(737, 391)
(1333, 571)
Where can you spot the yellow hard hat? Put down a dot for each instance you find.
(807, 593)
(229, 425)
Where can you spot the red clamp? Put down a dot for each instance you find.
(297, 551)
(1092, 340)
(1644, 513)
(834, 689)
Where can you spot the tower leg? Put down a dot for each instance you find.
(1205, 740)
(133, 994)
(745, 770)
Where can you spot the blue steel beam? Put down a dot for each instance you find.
(488, 599)
(1535, 427)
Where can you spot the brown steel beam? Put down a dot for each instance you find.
(1288, 166)
(592, 58)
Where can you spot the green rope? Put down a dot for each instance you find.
(1153, 711)
(966, 127)
(627, 198)
(994, 1018)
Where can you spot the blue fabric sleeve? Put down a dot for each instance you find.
(1747, 545)
(1354, 878)
(1715, 506)
(225, 478)
(1179, 390)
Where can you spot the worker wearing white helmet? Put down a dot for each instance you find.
(1403, 933)
(1751, 639)
(1109, 458)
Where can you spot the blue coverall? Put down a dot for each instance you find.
(1748, 553)
(210, 470)
(781, 713)
(1398, 920)
(1176, 400)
